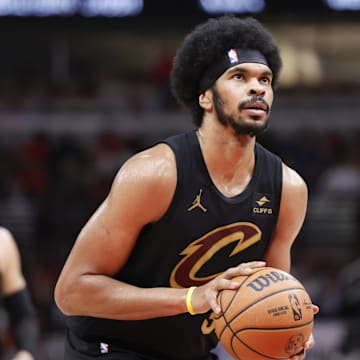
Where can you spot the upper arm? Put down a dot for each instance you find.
(292, 213)
(140, 194)
(12, 279)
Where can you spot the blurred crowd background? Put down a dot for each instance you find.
(82, 91)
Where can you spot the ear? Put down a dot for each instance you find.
(205, 100)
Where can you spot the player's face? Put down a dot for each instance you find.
(243, 96)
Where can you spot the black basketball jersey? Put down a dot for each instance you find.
(202, 234)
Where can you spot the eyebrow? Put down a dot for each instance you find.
(240, 68)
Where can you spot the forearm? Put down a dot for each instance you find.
(280, 260)
(102, 296)
(23, 321)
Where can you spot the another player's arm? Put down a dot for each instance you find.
(292, 213)
(140, 194)
(12, 279)
(16, 298)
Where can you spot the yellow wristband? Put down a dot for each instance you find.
(189, 307)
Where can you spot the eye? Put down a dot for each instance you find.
(266, 80)
(238, 76)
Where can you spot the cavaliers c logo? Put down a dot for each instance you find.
(202, 250)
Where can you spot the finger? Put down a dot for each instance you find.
(250, 267)
(310, 343)
(254, 264)
(244, 269)
(299, 356)
(225, 284)
(215, 306)
(217, 286)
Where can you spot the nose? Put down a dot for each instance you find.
(256, 88)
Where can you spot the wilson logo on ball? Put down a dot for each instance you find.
(264, 281)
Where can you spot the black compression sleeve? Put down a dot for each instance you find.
(23, 320)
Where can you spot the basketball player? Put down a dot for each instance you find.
(187, 215)
(16, 299)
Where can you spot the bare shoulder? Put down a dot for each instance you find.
(292, 180)
(294, 196)
(150, 161)
(147, 179)
(155, 165)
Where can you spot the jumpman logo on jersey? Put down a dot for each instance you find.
(197, 203)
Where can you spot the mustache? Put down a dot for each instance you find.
(252, 101)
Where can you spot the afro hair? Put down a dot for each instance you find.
(207, 43)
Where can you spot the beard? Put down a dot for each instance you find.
(239, 124)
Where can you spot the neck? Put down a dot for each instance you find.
(221, 142)
(229, 158)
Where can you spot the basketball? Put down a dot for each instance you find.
(270, 316)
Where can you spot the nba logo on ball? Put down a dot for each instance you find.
(295, 306)
(270, 316)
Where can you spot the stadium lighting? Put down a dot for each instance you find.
(90, 8)
(340, 5)
(232, 6)
(37, 7)
(112, 8)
